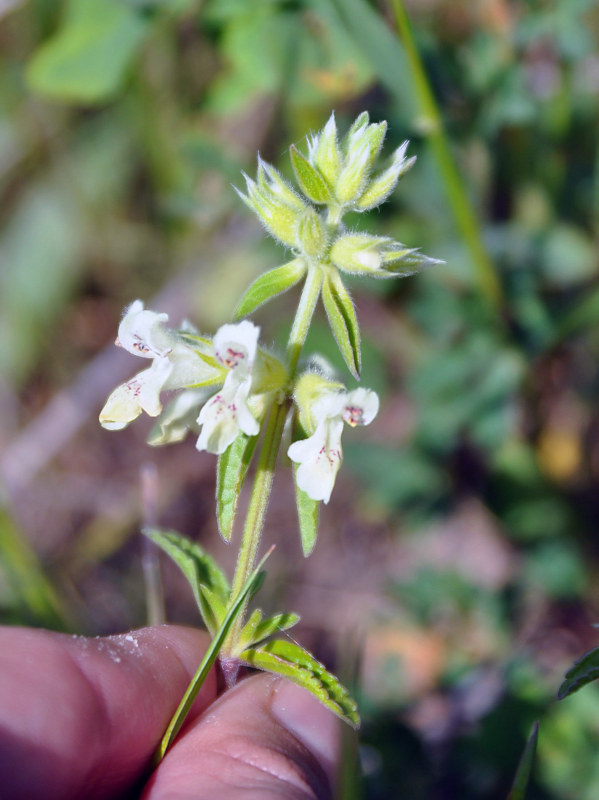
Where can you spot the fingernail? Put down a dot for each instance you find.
(305, 717)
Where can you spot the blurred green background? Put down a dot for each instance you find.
(458, 557)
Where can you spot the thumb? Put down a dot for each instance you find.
(266, 737)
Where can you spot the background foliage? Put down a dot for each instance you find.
(458, 556)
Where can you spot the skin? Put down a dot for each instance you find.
(80, 718)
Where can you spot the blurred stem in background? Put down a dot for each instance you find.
(433, 129)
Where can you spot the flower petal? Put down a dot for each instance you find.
(141, 332)
(235, 345)
(225, 415)
(141, 393)
(319, 457)
(360, 406)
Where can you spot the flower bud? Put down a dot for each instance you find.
(359, 252)
(324, 152)
(354, 175)
(312, 238)
(382, 185)
(279, 215)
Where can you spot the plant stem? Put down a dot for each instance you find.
(273, 433)
(458, 198)
(303, 317)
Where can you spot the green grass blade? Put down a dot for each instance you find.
(249, 589)
(524, 770)
(32, 589)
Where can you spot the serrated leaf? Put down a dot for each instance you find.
(583, 671)
(291, 661)
(269, 285)
(87, 60)
(343, 321)
(307, 514)
(206, 579)
(271, 625)
(249, 589)
(231, 470)
(524, 770)
(257, 629)
(310, 181)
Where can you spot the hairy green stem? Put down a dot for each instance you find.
(458, 198)
(273, 433)
(303, 317)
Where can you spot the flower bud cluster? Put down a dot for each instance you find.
(334, 178)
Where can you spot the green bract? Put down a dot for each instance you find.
(335, 177)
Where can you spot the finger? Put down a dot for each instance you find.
(81, 717)
(266, 738)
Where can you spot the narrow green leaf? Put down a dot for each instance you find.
(87, 60)
(307, 514)
(257, 629)
(231, 470)
(583, 671)
(246, 637)
(206, 579)
(249, 589)
(524, 770)
(344, 323)
(271, 625)
(269, 284)
(292, 661)
(311, 182)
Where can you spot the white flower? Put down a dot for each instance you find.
(141, 332)
(141, 393)
(175, 365)
(227, 412)
(319, 456)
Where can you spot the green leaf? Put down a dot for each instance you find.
(231, 470)
(310, 181)
(209, 584)
(524, 770)
(271, 283)
(344, 323)
(279, 622)
(307, 514)
(258, 629)
(246, 637)
(87, 60)
(251, 586)
(292, 661)
(583, 671)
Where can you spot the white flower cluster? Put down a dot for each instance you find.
(187, 362)
(245, 375)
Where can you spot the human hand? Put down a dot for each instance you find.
(80, 718)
